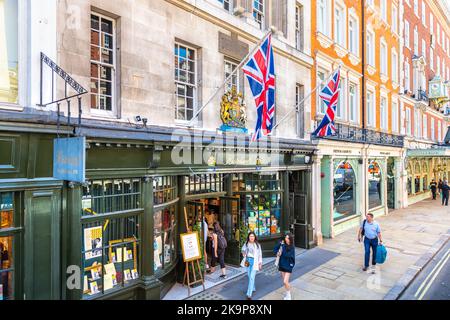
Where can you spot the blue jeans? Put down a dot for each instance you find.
(251, 277)
(368, 243)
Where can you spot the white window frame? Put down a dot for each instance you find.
(353, 99)
(407, 76)
(424, 17)
(383, 10)
(408, 124)
(97, 111)
(383, 57)
(234, 78)
(339, 24)
(340, 107)
(394, 19)
(394, 116)
(431, 28)
(416, 41)
(384, 112)
(416, 7)
(418, 121)
(394, 66)
(425, 126)
(424, 49)
(321, 106)
(323, 24)
(439, 131)
(299, 27)
(371, 54)
(432, 129)
(407, 35)
(186, 85)
(371, 112)
(431, 58)
(353, 35)
(258, 12)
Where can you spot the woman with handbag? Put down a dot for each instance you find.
(285, 261)
(252, 261)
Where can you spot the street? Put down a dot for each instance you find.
(433, 282)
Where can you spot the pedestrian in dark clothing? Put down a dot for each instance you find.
(433, 187)
(220, 244)
(285, 251)
(440, 183)
(445, 193)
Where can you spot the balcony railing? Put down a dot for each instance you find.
(358, 135)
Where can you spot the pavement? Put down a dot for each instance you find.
(433, 282)
(333, 271)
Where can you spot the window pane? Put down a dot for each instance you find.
(6, 268)
(9, 59)
(344, 191)
(164, 238)
(6, 210)
(107, 26)
(95, 22)
(375, 194)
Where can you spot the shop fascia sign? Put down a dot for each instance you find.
(69, 159)
(429, 152)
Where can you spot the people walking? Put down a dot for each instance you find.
(252, 254)
(209, 248)
(220, 245)
(445, 192)
(440, 183)
(285, 251)
(371, 231)
(433, 187)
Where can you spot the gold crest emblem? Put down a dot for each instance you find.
(232, 110)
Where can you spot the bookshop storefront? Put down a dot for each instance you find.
(132, 215)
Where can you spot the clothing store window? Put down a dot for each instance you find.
(375, 185)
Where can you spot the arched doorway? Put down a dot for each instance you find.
(344, 191)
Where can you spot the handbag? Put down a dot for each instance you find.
(277, 259)
(244, 262)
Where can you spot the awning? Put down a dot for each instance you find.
(435, 152)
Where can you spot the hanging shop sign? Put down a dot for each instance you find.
(69, 155)
(190, 246)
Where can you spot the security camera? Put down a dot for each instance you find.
(138, 118)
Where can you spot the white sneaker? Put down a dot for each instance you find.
(287, 296)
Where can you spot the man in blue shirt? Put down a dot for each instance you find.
(372, 232)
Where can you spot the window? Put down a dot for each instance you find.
(10, 235)
(225, 4)
(394, 66)
(384, 55)
(383, 113)
(299, 96)
(339, 26)
(203, 183)
(258, 12)
(417, 124)
(260, 202)
(299, 31)
(185, 82)
(394, 117)
(407, 35)
(371, 109)
(438, 32)
(353, 101)
(371, 48)
(431, 58)
(431, 23)
(424, 49)
(439, 131)
(425, 126)
(432, 129)
(407, 76)
(164, 189)
(408, 121)
(416, 41)
(164, 238)
(375, 185)
(230, 70)
(103, 63)
(9, 46)
(320, 81)
(340, 107)
(344, 191)
(424, 17)
(394, 19)
(112, 211)
(322, 16)
(383, 8)
(438, 65)
(416, 7)
(353, 36)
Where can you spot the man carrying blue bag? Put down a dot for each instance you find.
(371, 231)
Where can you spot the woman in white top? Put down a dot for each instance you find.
(252, 261)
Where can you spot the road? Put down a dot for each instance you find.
(433, 282)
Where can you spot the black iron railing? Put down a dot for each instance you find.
(358, 135)
(68, 82)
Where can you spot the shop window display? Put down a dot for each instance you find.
(260, 202)
(344, 191)
(164, 238)
(204, 183)
(417, 184)
(375, 187)
(111, 234)
(425, 183)
(6, 246)
(164, 189)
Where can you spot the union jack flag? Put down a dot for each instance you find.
(330, 95)
(260, 72)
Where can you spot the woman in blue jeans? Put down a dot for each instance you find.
(252, 261)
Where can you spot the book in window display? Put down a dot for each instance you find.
(93, 242)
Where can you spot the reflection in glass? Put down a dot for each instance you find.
(344, 192)
(9, 62)
(375, 194)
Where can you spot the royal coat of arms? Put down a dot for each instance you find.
(232, 112)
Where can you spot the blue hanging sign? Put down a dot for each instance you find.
(69, 159)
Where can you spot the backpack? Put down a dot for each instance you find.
(381, 254)
(221, 241)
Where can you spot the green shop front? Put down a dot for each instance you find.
(116, 236)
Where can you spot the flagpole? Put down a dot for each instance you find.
(304, 99)
(230, 76)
